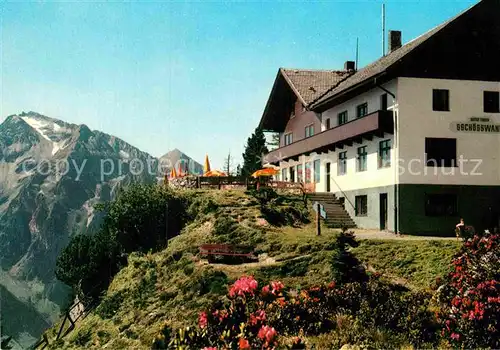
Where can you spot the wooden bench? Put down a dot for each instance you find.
(212, 250)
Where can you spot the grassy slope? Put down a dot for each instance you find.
(173, 285)
(412, 262)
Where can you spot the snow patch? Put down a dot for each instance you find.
(124, 154)
(38, 125)
(44, 127)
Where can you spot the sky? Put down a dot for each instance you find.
(189, 75)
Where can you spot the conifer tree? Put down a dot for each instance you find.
(254, 150)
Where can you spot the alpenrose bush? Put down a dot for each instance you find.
(255, 318)
(471, 297)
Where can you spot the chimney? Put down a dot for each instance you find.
(394, 40)
(349, 65)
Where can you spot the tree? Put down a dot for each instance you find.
(137, 220)
(238, 170)
(254, 150)
(275, 141)
(228, 164)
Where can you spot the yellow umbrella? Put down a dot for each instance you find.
(206, 168)
(215, 173)
(173, 173)
(268, 165)
(265, 172)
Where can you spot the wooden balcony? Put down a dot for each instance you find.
(374, 124)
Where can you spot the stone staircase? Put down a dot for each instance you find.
(336, 215)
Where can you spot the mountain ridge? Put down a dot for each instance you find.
(52, 173)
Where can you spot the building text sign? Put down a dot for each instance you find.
(476, 125)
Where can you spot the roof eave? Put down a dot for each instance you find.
(330, 102)
(292, 86)
(268, 103)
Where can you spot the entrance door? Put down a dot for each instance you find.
(383, 211)
(292, 174)
(328, 189)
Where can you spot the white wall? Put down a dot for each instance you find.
(352, 180)
(372, 97)
(418, 120)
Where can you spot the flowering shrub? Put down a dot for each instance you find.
(252, 317)
(470, 299)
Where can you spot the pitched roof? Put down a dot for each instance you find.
(381, 65)
(309, 84)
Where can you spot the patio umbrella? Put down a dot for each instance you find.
(206, 168)
(173, 173)
(265, 172)
(215, 173)
(271, 166)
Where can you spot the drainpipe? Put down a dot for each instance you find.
(396, 144)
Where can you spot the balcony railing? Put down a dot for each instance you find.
(374, 124)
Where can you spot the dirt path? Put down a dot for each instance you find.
(375, 234)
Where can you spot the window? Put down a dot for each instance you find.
(300, 177)
(283, 175)
(441, 205)
(309, 130)
(384, 154)
(362, 155)
(491, 101)
(308, 172)
(292, 174)
(342, 118)
(328, 126)
(441, 152)
(288, 138)
(316, 171)
(383, 102)
(362, 110)
(440, 100)
(361, 205)
(342, 163)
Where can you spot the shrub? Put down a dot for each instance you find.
(110, 305)
(254, 317)
(344, 265)
(470, 297)
(135, 221)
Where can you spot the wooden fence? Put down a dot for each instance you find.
(77, 311)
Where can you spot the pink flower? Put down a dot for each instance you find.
(202, 320)
(265, 290)
(455, 336)
(267, 334)
(276, 287)
(257, 316)
(244, 285)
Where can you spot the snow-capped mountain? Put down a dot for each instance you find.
(52, 174)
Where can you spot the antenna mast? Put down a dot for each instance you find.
(383, 29)
(357, 50)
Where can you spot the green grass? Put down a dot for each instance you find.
(416, 262)
(173, 285)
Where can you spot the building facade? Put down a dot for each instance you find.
(411, 142)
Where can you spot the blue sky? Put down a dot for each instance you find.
(188, 75)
